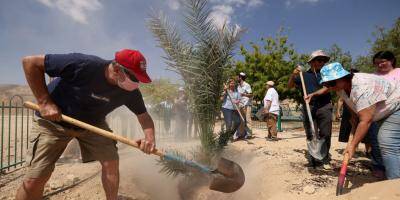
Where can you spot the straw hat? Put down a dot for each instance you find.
(318, 53)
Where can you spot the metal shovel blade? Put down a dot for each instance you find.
(228, 177)
(317, 148)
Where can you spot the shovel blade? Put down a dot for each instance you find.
(317, 148)
(228, 177)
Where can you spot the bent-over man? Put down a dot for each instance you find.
(87, 88)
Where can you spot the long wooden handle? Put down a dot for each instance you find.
(307, 104)
(94, 129)
(234, 104)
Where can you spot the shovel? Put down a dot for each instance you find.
(343, 169)
(342, 175)
(240, 114)
(316, 147)
(227, 177)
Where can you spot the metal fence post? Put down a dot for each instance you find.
(2, 135)
(279, 123)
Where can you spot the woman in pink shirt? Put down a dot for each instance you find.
(385, 63)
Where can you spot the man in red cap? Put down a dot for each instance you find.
(86, 88)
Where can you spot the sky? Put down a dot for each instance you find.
(102, 27)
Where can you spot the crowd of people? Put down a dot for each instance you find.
(237, 108)
(370, 114)
(372, 104)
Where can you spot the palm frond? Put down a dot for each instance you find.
(201, 64)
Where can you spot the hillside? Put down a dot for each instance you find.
(9, 90)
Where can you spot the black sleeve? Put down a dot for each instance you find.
(65, 66)
(135, 103)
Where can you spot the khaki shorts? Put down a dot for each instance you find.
(48, 141)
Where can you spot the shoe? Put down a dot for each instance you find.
(327, 166)
(272, 139)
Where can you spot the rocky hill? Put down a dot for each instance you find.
(7, 91)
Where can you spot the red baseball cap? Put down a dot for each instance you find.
(131, 59)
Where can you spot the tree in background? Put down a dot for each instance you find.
(364, 64)
(337, 55)
(274, 59)
(159, 90)
(385, 39)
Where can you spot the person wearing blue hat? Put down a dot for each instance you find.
(321, 106)
(373, 99)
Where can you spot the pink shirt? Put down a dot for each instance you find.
(393, 75)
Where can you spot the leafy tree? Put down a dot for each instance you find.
(159, 90)
(274, 59)
(364, 64)
(337, 55)
(387, 39)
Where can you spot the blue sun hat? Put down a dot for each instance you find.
(332, 71)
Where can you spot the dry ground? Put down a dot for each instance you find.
(274, 170)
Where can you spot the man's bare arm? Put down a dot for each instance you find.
(34, 70)
(147, 144)
(267, 107)
(296, 72)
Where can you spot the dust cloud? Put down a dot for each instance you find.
(143, 170)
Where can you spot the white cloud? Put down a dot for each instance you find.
(76, 9)
(290, 3)
(255, 3)
(221, 14)
(239, 3)
(224, 10)
(173, 4)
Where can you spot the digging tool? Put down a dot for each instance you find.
(315, 146)
(240, 114)
(343, 169)
(342, 175)
(227, 177)
(236, 107)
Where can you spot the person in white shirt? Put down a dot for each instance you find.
(271, 110)
(245, 104)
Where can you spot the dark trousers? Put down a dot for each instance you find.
(322, 117)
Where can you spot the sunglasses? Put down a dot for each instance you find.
(330, 84)
(128, 73)
(320, 59)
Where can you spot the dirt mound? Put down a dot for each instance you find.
(379, 190)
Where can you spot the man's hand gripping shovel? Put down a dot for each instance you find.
(227, 177)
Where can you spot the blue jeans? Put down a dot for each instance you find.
(376, 156)
(389, 143)
(231, 118)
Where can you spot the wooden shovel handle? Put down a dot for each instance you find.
(310, 119)
(94, 129)
(234, 104)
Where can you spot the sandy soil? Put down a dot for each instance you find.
(274, 170)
